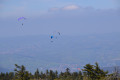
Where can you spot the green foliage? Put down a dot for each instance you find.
(94, 72)
(90, 72)
(6, 76)
(21, 73)
(37, 75)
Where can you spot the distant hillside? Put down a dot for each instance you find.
(112, 69)
(39, 52)
(3, 70)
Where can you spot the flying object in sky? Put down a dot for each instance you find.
(51, 37)
(59, 33)
(21, 20)
(54, 36)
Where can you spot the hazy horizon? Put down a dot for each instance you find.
(89, 29)
(68, 17)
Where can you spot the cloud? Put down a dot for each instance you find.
(71, 7)
(65, 8)
(85, 20)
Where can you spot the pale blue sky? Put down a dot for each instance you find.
(71, 17)
(33, 6)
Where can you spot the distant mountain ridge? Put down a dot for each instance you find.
(38, 51)
(3, 70)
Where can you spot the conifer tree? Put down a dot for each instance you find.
(56, 74)
(52, 75)
(94, 72)
(21, 73)
(37, 75)
(90, 70)
(11, 75)
(68, 72)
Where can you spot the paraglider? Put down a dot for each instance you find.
(59, 33)
(51, 37)
(21, 19)
(55, 35)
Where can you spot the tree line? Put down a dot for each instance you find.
(89, 72)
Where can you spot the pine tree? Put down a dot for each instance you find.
(52, 75)
(47, 73)
(90, 70)
(68, 72)
(80, 77)
(37, 75)
(94, 72)
(11, 75)
(56, 74)
(2, 77)
(21, 73)
(75, 75)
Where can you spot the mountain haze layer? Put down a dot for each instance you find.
(39, 52)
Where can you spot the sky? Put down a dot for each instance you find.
(70, 17)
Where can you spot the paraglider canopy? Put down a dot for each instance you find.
(51, 37)
(21, 18)
(54, 36)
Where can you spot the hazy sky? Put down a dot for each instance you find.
(70, 17)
